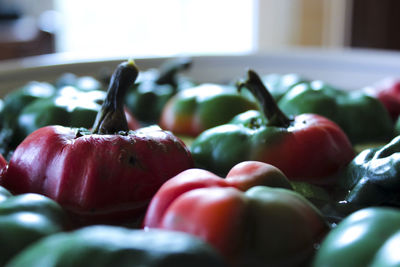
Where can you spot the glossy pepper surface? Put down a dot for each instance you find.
(108, 175)
(26, 218)
(354, 111)
(154, 87)
(13, 103)
(41, 104)
(99, 246)
(279, 84)
(372, 177)
(368, 237)
(194, 110)
(307, 147)
(252, 217)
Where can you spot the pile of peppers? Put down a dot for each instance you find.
(269, 178)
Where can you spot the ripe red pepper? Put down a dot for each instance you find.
(247, 220)
(105, 176)
(388, 92)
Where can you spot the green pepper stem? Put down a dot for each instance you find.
(272, 112)
(169, 70)
(111, 117)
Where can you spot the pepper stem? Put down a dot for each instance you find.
(111, 117)
(272, 112)
(170, 69)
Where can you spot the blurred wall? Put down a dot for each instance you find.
(315, 23)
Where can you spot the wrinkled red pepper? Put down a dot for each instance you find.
(105, 176)
(247, 220)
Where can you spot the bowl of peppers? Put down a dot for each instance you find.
(271, 159)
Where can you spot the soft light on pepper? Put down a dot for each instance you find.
(308, 147)
(372, 177)
(104, 246)
(354, 111)
(368, 237)
(194, 110)
(154, 87)
(108, 175)
(26, 218)
(251, 217)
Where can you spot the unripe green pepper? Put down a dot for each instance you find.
(362, 117)
(99, 246)
(84, 83)
(279, 84)
(372, 177)
(70, 107)
(25, 219)
(368, 237)
(12, 105)
(154, 87)
(41, 104)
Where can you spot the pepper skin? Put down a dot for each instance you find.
(83, 83)
(107, 175)
(368, 237)
(71, 107)
(67, 106)
(154, 87)
(308, 148)
(13, 103)
(388, 92)
(279, 84)
(194, 110)
(98, 246)
(363, 118)
(248, 222)
(25, 219)
(372, 178)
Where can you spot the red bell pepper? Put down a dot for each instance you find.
(105, 176)
(388, 92)
(247, 220)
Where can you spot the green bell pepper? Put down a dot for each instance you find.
(279, 84)
(69, 106)
(84, 83)
(154, 87)
(362, 117)
(372, 177)
(116, 246)
(25, 219)
(368, 237)
(13, 103)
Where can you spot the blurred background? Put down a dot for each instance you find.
(163, 28)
